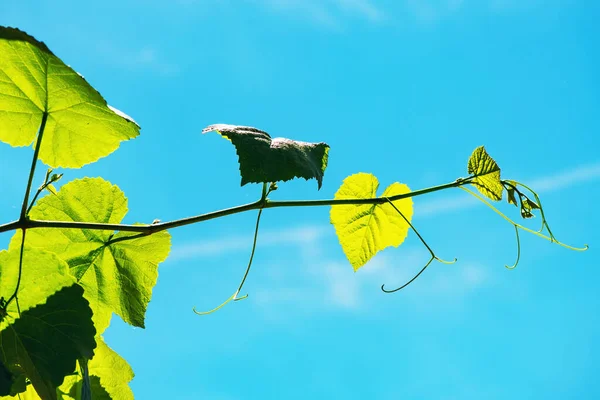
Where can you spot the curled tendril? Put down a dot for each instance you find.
(234, 297)
(518, 250)
(539, 201)
(551, 238)
(433, 256)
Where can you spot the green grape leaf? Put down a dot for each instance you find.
(263, 159)
(43, 273)
(118, 275)
(365, 229)
(486, 174)
(47, 339)
(80, 128)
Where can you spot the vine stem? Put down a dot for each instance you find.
(16, 292)
(36, 152)
(25, 223)
(234, 297)
(24, 207)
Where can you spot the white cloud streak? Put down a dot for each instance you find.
(329, 13)
(296, 236)
(134, 59)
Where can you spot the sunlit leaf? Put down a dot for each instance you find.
(263, 159)
(47, 339)
(363, 230)
(81, 127)
(118, 275)
(486, 173)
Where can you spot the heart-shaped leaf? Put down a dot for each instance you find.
(80, 127)
(263, 159)
(365, 229)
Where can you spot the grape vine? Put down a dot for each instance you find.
(71, 263)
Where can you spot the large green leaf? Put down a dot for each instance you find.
(43, 273)
(81, 127)
(263, 159)
(46, 340)
(118, 275)
(365, 229)
(486, 174)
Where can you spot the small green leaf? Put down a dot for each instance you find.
(486, 174)
(117, 275)
(510, 192)
(363, 230)
(47, 340)
(81, 127)
(263, 159)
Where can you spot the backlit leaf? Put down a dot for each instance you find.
(486, 173)
(263, 159)
(81, 127)
(117, 275)
(363, 230)
(46, 340)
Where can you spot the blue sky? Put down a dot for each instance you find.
(405, 89)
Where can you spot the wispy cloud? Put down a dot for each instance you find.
(331, 286)
(430, 11)
(147, 58)
(296, 236)
(330, 13)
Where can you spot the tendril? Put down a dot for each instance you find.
(544, 221)
(409, 282)
(518, 250)
(234, 297)
(551, 239)
(431, 252)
